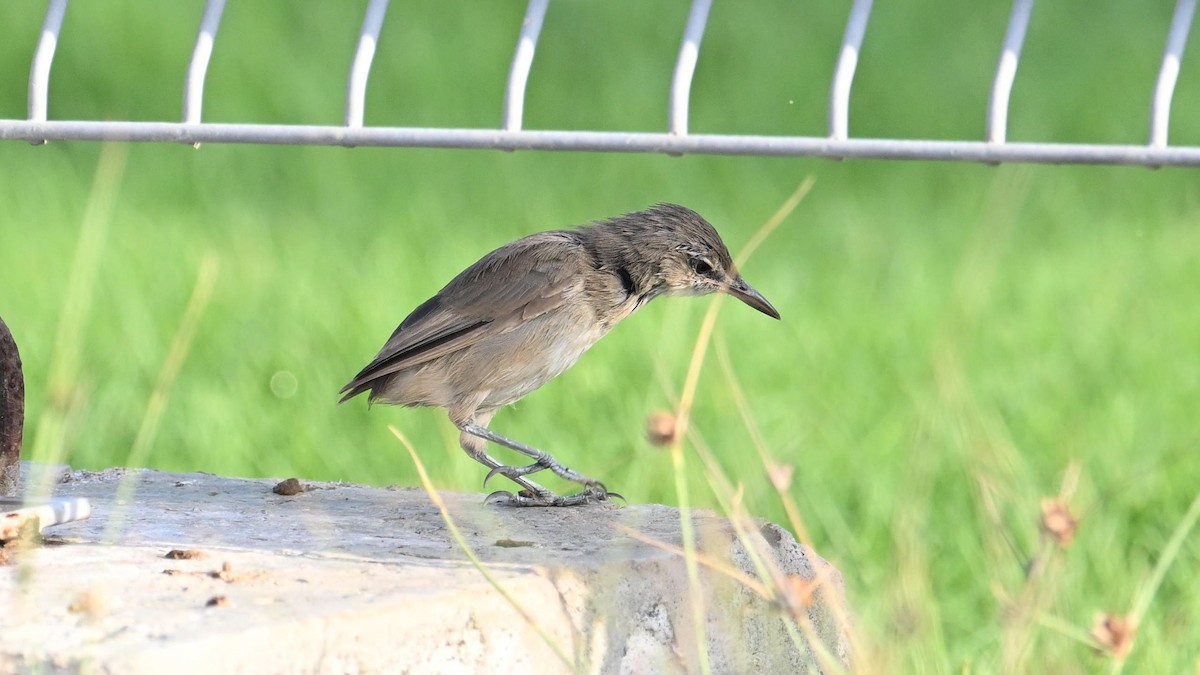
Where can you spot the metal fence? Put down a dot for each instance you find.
(675, 140)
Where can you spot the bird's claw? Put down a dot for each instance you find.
(499, 498)
(515, 472)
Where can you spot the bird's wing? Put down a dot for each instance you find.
(512, 284)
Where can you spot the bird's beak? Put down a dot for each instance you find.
(743, 291)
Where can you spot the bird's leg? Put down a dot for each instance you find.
(476, 447)
(475, 430)
(542, 460)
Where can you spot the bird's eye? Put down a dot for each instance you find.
(701, 266)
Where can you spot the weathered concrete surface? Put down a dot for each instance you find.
(352, 579)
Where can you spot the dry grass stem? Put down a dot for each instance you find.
(65, 396)
(708, 561)
(780, 475)
(461, 541)
(686, 399)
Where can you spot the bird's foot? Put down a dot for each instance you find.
(594, 494)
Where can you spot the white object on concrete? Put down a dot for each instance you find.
(16, 514)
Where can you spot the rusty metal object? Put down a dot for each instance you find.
(12, 411)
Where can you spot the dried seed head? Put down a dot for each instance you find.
(798, 593)
(661, 428)
(1058, 521)
(780, 475)
(1113, 634)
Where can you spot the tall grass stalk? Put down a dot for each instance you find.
(682, 413)
(50, 444)
(756, 548)
(773, 469)
(206, 279)
(1026, 610)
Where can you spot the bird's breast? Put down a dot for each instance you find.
(534, 353)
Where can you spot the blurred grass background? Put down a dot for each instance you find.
(954, 336)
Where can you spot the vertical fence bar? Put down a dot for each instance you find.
(193, 84)
(1168, 73)
(360, 69)
(43, 57)
(518, 72)
(843, 74)
(685, 67)
(12, 412)
(1006, 71)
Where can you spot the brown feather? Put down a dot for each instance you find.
(516, 282)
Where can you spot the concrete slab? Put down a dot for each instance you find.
(352, 579)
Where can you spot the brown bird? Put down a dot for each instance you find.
(527, 311)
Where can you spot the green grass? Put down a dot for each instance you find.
(954, 336)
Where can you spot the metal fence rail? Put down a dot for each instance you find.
(675, 140)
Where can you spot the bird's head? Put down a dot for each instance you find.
(694, 260)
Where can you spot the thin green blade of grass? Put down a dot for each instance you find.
(1066, 629)
(206, 279)
(1149, 590)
